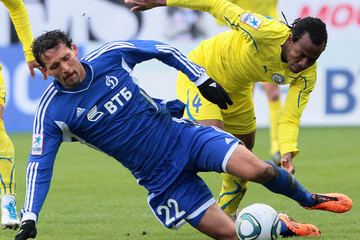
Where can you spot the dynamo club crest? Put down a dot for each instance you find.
(278, 78)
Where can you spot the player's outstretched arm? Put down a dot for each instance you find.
(223, 10)
(201, 5)
(142, 5)
(20, 19)
(143, 50)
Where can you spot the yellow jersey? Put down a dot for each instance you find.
(20, 19)
(251, 52)
(264, 7)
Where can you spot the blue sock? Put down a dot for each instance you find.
(284, 230)
(284, 183)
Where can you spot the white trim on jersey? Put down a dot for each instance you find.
(228, 155)
(129, 70)
(40, 112)
(88, 86)
(105, 49)
(193, 68)
(40, 102)
(67, 134)
(105, 46)
(201, 209)
(31, 174)
(179, 224)
(231, 149)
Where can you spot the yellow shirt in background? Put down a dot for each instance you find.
(264, 7)
(21, 22)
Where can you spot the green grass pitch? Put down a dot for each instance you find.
(94, 197)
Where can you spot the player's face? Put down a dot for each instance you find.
(62, 63)
(303, 53)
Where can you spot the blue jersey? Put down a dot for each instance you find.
(107, 111)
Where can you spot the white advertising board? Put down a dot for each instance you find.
(335, 100)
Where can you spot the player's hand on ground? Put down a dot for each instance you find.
(27, 230)
(287, 163)
(214, 93)
(142, 5)
(34, 64)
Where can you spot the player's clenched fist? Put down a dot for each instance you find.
(214, 93)
(27, 230)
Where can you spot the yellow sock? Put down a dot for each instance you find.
(7, 166)
(232, 191)
(274, 110)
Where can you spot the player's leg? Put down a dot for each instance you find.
(241, 123)
(219, 226)
(9, 218)
(216, 224)
(289, 226)
(246, 165)
(208, 114)
(234, 188)
(216, 148)
(189, 199)
(272, 92)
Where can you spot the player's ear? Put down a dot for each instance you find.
(44, 72)
(75, 49)
(290, 39)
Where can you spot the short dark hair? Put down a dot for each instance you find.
(47, 41)
(314, 26)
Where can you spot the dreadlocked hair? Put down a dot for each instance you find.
(311, 25)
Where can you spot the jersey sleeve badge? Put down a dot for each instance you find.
(37, 144)
(251, 20)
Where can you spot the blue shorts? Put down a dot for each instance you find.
(187, 197)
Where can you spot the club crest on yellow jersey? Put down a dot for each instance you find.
(278, 78)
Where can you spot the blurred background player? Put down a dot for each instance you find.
(258, 49)
(9, 217)
(183, 24)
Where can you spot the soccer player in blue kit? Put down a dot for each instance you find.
(97, 101)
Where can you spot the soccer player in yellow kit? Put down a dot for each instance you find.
(268, 8)
(260, 49)
(257, 49)
(9, 218)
